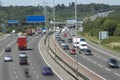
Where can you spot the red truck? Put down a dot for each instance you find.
(22, 42)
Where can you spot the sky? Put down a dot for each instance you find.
(50, 2)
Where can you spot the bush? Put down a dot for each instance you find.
(110, 40)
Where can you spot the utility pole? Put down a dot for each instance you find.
(76, 38)
(44, 4)
(0, 3)
(54, 15)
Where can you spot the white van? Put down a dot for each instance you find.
(76, 42)
(83, 45)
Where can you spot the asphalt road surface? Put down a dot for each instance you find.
(97, 61)
(14, 71)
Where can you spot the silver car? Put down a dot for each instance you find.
(8, 58)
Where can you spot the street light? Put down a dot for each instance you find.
(54, 24)
(44, 3)
(3, 26)
(76, 37)
(54, 16)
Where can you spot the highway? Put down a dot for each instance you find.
(96, 62)
(14, 71)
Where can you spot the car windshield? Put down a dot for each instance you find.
(66, 45)
(73, 50)
(8, 55)
(88, 50)
(82, 39)
(84, 45)
(48, 69)
(22, 53)
(113, 60)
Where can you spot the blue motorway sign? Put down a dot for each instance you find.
(35, 19)
(13, 21)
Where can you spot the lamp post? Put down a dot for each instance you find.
(45, 13)
(3, 26)
(54, 24)
(76, 37)
(54, 16)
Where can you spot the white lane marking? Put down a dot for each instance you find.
(13, 64)
(107, 69)
(80, 63)
(2, 52)
(100, 65)
(15, 72)
(11, 43)
(103, 51)
(94, 62)
(16, 76)
(38, 77)
(13, 68)
(84, 56)
(4, 37)
(99, 56)
(117, 74)
(32, 67)
(7, 45)
(47, 62)
(34, 71)
(89, 59)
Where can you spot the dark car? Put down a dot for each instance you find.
(69, 40)
(62, 40)
(112, 63)
(23, 61)
(58, 38)
(46, 70)
(65, 47)
(88, 52)
(7, 49)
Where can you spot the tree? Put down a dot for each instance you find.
(110, 26)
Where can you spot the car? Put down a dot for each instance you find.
(72, 51)
(65, 35)
(88, 52)
(8, 58)
(69, 40)
(82, 39)
(58, 38)
(62, 40)
(23, 61)
(7, 49)
(63, 43)
(65, 47)
(46, 70)
(73, 36)
(23, 54)
(112, 63)
(57, 35)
